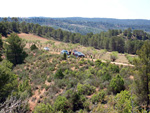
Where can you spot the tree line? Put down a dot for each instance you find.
(113, 40)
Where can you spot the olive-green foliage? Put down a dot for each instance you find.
(8, 81)
(61, 104)
(125, 72)
(117, 84)
(3, 29)
(123, 102)
(64, 56)
(142, 74)
(99, 97)
(25, 86)
(114, 56)
(130, 58)
(7, 64)
(1, 42)
(1, 46)
(85, 89)
(77, 101)
(14, 49)
(59, 74)
(104, 74)
(114, 68)
(44, 108)
(98, 63)
(33, 47)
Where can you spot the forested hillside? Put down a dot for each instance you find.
(87, 25)
(127, 40)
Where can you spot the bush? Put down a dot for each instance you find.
(76, 100)
(85, 89)
(33, 47)
(59, 74)
(98, 63)
(52, 68)
(114, 68)
(117, 84)
(90, 63)
(43, 108)
(113, 56)
(130, 58)
(123, 102)
(61, 104)
(98, 97)
(104, 74)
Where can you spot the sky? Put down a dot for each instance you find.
(121, 9)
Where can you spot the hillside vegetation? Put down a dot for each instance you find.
(114, 40)
(39, 81)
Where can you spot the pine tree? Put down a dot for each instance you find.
(14, 49)
(143, 71)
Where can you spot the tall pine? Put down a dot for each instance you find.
(14, 49)
(143, 72)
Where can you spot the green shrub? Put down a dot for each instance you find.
(49, 79)
(59, 74)
(98, 63)
(113, 56)
(125, 72)
(81, 63)
(61, 104)
(85, 89)
(123, 102)
(114, 68)
(117, 84)
(104, 74)
(25, 86)
(44, 108)
(33, 47)
(77, 101)
(8, 81)
(52, 68)
(130, 58)
(99, 97)
(90, 63)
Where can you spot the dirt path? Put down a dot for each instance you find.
(123, 64)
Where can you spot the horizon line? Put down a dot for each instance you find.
(76, 17)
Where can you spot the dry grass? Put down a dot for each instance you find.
(31, 37)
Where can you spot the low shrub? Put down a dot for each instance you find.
(99, 97)
(43, 108)
(59, 74)
(61, 104)
(117, 84)
(113, 56)
(33, 47)
(85, 89)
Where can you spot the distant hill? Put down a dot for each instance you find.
(86, 25)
